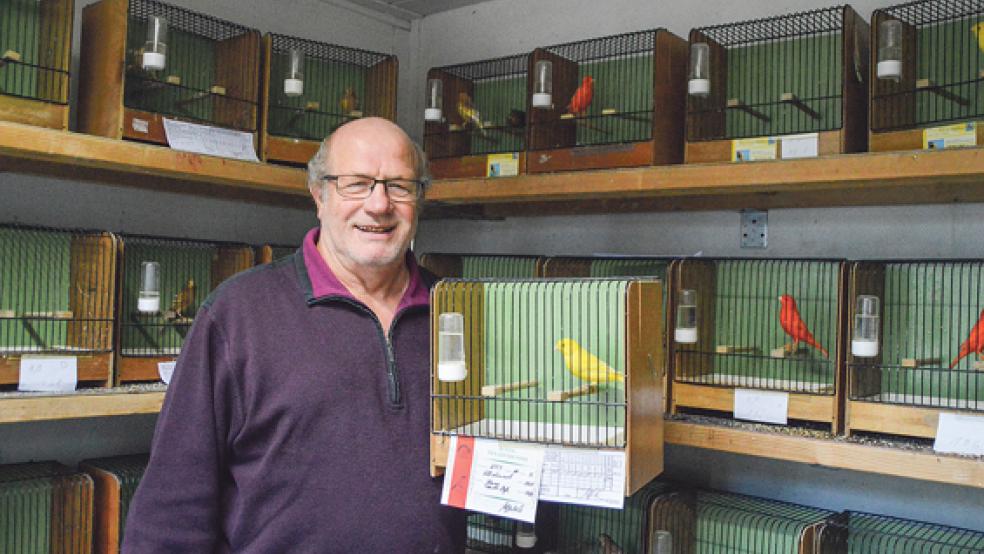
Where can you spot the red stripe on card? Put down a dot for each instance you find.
(461, 473)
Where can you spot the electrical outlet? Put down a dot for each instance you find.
(754, 229)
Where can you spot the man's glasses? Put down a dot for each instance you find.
(360, 187)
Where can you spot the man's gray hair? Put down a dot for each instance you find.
(317, 167)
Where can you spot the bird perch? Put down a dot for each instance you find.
(732, 349)
(562, 395)
(926, 84)
(921, 362)
(790, 98)
(496, 390)
(737, 104)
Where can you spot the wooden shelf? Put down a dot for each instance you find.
(36, 150)
(18, 409)
(832, 453)
(914, 177)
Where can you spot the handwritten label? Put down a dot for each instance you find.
(493, 477)
(165, 370)
(48, 374)
(950, 136)
(213, 141)
(753, 149)
(799, 146)
(583, 476)
(502, 165)
(140, 125)
(762, 406)
(960, 434)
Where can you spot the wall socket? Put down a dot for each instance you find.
(754, 229)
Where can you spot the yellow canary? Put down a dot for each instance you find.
(182, 301)
(468, 113)
(584, 365)
(349, 102)
(978, 30)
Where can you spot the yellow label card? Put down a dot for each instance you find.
(502, 165)
(950, 136)
(754, 149)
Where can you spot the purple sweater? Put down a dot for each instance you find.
(291, 424)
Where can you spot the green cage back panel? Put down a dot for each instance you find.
(929, 310)
(586, 529)
(340, 84)
(202, 52)
(877, 534)
(129, 471)
(556, 352)
(499, 267)
(944, 41)
(801, 54)
(44, 508)
(747, 314)
(34, 56)
(55, 290)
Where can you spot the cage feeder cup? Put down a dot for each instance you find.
(149, 299)
(451, 347)
(864, 340)
(543, 85)
(686, 317)
(890, 50)
(294, 82)
(699, 83)
(155, 49)
(434, 100)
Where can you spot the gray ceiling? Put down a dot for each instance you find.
(413, 9)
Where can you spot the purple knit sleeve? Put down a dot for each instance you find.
(176, 507)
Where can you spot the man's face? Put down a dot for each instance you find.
(374, 232)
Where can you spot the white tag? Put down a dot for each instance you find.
(212, 141)
(960, 434)
(48, 373)
(140, 125)
(763, 406)
(494, 477)
(166, 369)
(800, 146)
(583, 476)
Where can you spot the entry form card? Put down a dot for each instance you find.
(584, 476)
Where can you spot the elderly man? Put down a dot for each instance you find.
(297, 417)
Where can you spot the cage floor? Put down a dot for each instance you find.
(150, 352)
(551, 433)
(925, 401)
(756, 382)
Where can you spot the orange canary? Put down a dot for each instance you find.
(792, 323)
(974, 343)
(582, 97)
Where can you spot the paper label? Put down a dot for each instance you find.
(502, 165)
(960, 434)
(583, 476)
(762, 406)
(165, 370)
(493, 477)
(800, 146)
(48, 373)
(753, 149)
(140, 125)
(950, 136)
(212, 141)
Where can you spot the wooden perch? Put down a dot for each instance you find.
(10, 56)
(7, 314)
(312, 106)
(786, 351)
(790, 98)
(979, 366)
(732, 349)
(215, 89)
(737, 104)
(173, 80)
(612, 112)
(562, 395)
(48, 315)
(496, 390)
(926, 84)
(921, 362)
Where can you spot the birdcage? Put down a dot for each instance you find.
(35, 53)
(759, 324)
(478, 266)
(927, 75)
(56, 298)
(163, 283)
(572, 362)
(475, 118)
(861, 533)
(269, 253)
(115, 481)
(916, 344)
(143, 61)
(491, 534)
(780, 87)
(45, 507)
(615, 101)
(702, 521)
(588, 529)
(311, 88)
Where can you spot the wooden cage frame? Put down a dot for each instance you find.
(106, 530)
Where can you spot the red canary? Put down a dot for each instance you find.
(793, 325)
(582, 97)
(974, 343)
